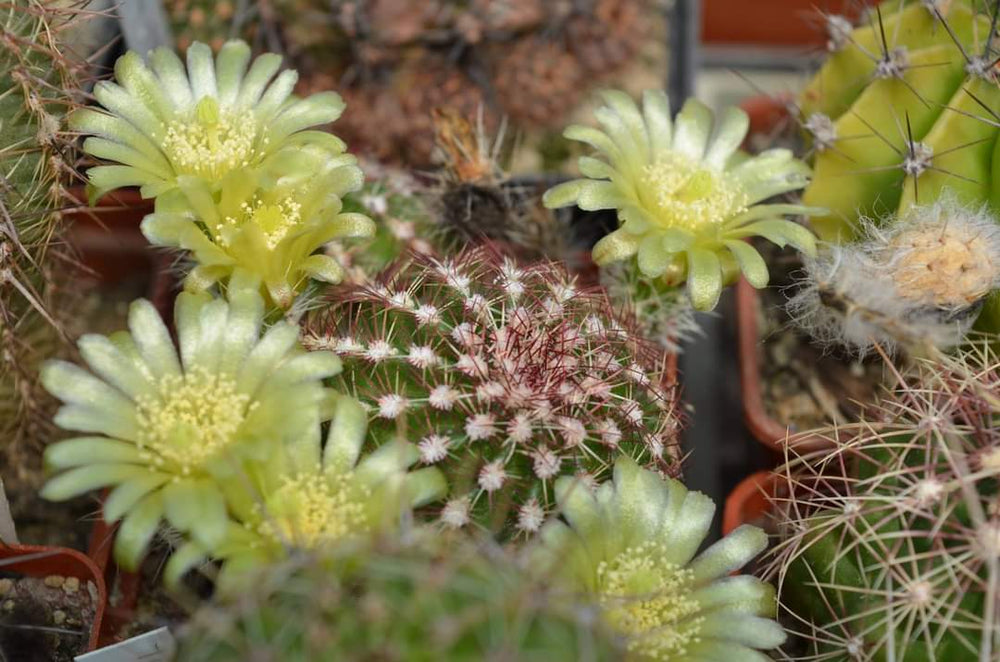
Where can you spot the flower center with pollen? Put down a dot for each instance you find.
(948, 266)
(648, 600)
(686, 195)
(191, 420)
(311, 510)
(274, 220)
(212, 142)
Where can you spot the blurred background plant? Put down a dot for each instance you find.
(395, 60)
(454, 599)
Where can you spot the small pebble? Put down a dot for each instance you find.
(55, 581)
(5, 586)
(58, 617)
(71, 586)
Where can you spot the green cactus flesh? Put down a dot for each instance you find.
(466, 605)
(36, 84)
(911, 96)
(888, 546)
(506, 377)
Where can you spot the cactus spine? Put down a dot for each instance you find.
(406, 604)
(888, 546)
(903, 110)
(505, 376)
(37, 80)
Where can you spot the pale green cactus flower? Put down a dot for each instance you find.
(686, 196)
(161, 122)
(631, 543)
(270, 222)
(311, 496)
(172, 432)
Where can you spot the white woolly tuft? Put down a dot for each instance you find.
(919, 281)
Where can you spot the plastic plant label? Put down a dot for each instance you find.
(156, 646)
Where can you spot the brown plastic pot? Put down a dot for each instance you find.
(793, 23)
(765, 429)
(41, 562)
(766, 113)
(750, 500)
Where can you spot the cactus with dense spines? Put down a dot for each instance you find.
(903, 110)
(505, 376)
(38, 79)
(889, 545)
(463, 603)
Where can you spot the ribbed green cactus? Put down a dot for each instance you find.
(904, 109)
(506, 377)
(411, 605)
(890, 546)
(37, 81)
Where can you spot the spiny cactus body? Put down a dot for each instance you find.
(412, 604)
(505, 376)
(38, 79)
(889, 546)
(903, 110)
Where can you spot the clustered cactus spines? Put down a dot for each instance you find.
(416, 604)
(505, 376)
(38, 78)
(918, 282)
(889, 545)
(686, 196)
(902, 110)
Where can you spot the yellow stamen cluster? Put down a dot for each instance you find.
(274, 220)
(310, 510)
(191, 419)
(211, 142)
(949, 266)
(649, 601)
(689, 196)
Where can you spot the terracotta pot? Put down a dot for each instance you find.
(111, 246)
(41, 562)
(107, 236)
(771, 22)
(765, 113)
(750, 500)
(124, 585)
(765, 429)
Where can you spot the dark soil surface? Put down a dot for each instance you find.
(806, 386)
(44, 619)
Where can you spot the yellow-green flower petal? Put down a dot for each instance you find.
(682, 191)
